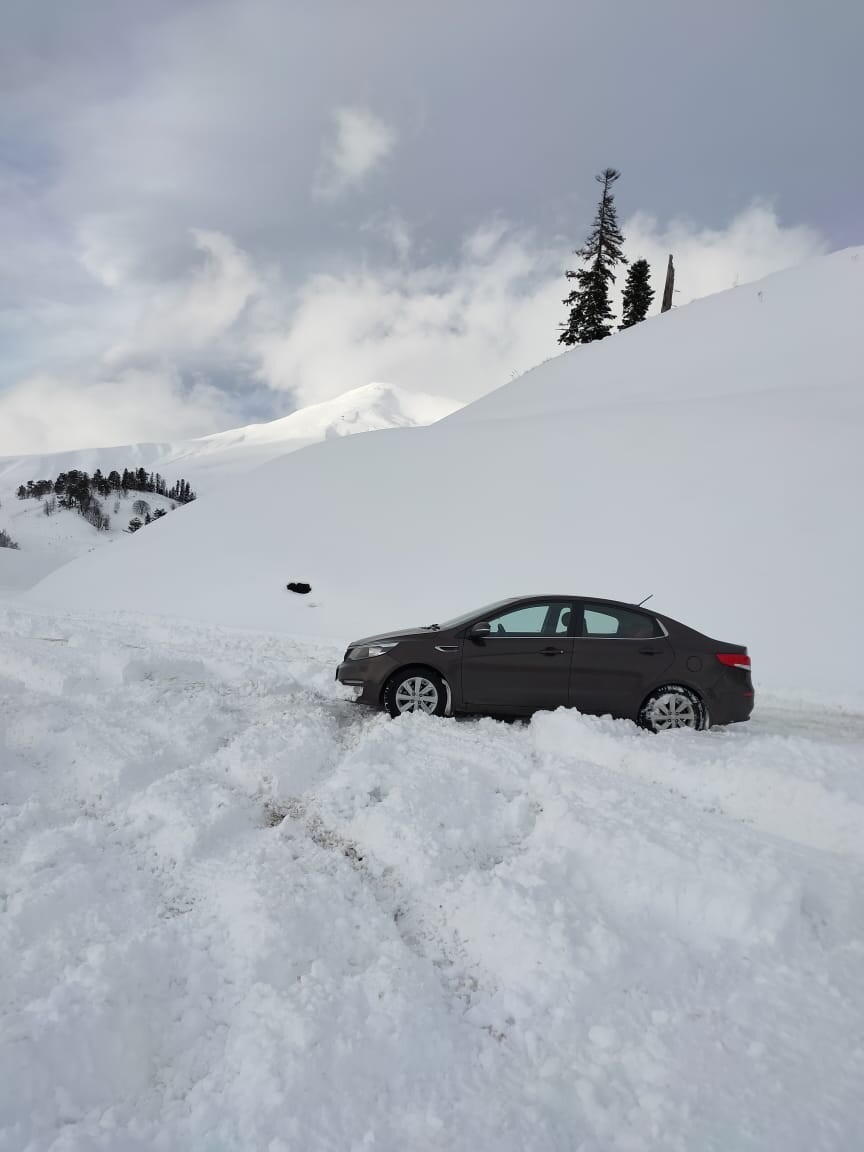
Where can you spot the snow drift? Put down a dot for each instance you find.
(711, 456)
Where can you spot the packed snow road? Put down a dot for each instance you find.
(237, 913)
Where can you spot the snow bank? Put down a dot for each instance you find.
(239, 913)
(711, 456)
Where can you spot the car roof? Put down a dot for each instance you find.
(668, 621)
(577, 596)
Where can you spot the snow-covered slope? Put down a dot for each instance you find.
(240, 914)
(205, 463)
(711, 456)
(48, 542)
(22, 569)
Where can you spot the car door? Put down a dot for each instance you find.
(619, 653)
(523, 663)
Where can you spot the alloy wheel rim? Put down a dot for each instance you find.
(673, 710)
(417, 694)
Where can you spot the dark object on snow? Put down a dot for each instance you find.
(300, 588)
(669, 286)
(518, 656)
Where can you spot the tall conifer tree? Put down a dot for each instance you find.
(590, 310)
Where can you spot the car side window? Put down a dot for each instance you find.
(621, 623)
(532, 620)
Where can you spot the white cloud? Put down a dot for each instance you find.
(103, 249)
(456, 328)
(395, 230)
(709, 260)
(47, 414)
(193, 314)
(362, 141)
(464, 328)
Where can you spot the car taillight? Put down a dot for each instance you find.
(734, 659)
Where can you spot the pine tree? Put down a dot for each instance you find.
(590, 310)
(638, 294)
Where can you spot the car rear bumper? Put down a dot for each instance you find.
(730, 708)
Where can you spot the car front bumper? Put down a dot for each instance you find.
(366, 678)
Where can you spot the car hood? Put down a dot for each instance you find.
(402, 634)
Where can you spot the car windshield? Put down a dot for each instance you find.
(477, 614)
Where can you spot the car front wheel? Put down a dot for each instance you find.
(415, 690)
(673, 706)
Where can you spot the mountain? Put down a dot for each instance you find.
(206, 462)
(211, 458)
(710, 456)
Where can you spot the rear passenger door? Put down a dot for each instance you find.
(619, 654)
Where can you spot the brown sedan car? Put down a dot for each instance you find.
(518, 656)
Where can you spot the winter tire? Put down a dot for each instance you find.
(415, 690)
(673, 706)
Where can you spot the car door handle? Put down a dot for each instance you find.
(650, 651)
(550, 651)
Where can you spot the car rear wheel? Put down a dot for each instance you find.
(415, 690)
(673, 706)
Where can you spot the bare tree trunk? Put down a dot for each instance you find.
(670, 286)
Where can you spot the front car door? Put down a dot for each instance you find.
(523, 664)
(619, 654)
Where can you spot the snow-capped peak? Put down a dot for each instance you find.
(366, 409)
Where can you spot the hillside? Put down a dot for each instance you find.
(710, 456)
(206, 463)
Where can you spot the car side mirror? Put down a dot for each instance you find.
(480, 629)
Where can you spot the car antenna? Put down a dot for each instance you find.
(645, 601)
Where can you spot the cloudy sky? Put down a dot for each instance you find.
(213, 212)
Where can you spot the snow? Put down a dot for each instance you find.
(710, 456)
(19, 570)
(240, 912)
(48, 542)
(206, 463)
